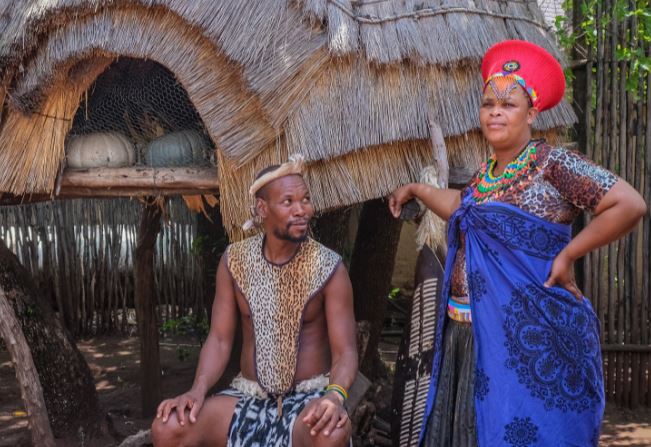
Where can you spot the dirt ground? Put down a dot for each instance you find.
(114, 364)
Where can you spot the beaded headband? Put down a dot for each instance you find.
(294, 166)
(512, 81)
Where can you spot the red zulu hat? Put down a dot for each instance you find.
(533, 67)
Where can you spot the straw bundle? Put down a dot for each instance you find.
(278, 56)
(428, 31)
(353, 178)
(233, 116)
(32, 146)
(355, 105)
(350, 86)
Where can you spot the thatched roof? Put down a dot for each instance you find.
(351, 85)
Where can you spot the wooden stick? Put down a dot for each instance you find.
(30, 385)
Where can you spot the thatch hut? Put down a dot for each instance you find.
(351, 85)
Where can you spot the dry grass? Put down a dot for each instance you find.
(352, 178)
(33, 145)
(267, 79)
(355, 105)
(426, 31)
(233, 116)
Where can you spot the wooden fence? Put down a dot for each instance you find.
(80, 253)
(618, 135)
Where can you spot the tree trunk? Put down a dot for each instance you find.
(66, 381)
(213, 241)
(30, 385)
(145, 297)
(370, 271)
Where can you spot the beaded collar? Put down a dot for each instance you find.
(488, 185)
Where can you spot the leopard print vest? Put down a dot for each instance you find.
(277, 296)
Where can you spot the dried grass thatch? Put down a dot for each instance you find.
(355, 105)
(426, 31)
(352, 178)
(234, 117)
(32, 145)
(351, 86)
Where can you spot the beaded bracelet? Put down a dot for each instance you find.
(339, 390)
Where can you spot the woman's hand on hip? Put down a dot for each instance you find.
(562, 275)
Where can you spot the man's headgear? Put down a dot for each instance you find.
(528, 65)
(294, 166)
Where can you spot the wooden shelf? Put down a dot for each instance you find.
(127, 182)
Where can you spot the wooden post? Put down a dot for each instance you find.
(145, 298)
(370, 272)
(442, 168)
(440, 154)
(30, 385)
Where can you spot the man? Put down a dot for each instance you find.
(294, 300)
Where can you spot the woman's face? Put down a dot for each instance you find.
(506, 123)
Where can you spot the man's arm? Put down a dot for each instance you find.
(215, 353)
(342, 330)
(329, 412)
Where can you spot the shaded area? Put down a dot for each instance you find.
(114, 362)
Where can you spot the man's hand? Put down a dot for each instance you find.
(191, 400)
(326, 414)
(398, 198)
(562, 274)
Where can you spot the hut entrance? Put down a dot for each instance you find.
(137, 114)
(137, 124)
(137, 133)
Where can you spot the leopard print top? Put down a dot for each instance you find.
(277, 296)
(560, 185)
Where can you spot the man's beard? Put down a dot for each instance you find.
(286, 236)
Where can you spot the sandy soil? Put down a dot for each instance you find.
(114, 364)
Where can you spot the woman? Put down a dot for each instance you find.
(518, 359)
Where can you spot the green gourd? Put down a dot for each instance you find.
(181, 148)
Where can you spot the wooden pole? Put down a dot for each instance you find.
(371, 267)
(145, 298)
(30, 385)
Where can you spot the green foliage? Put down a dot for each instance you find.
(393, 294)
(29, 311)
(182, 352)
(633, 21)
(189, 325)
(203, 242)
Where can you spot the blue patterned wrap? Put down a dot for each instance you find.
(539, 379)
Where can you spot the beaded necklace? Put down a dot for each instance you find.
(489, 185)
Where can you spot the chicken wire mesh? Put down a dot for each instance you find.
(137, 114)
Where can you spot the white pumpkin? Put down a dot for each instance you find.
(100, 150)
(182, 148)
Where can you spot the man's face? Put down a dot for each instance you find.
(286, 208)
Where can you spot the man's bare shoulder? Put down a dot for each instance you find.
(339, 285)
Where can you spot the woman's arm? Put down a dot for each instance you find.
(442, 202)
(618, 212)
